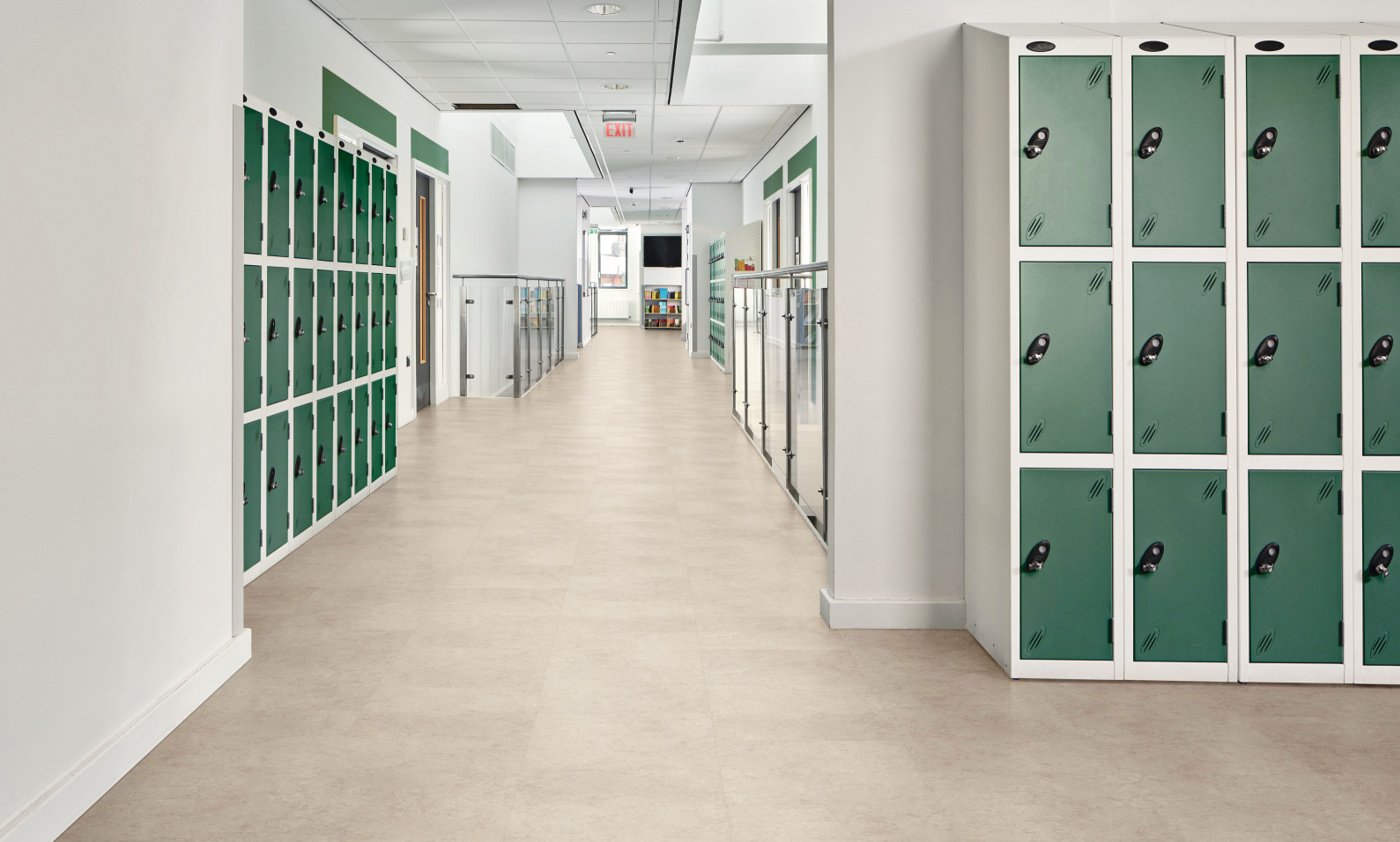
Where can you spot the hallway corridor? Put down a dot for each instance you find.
(592, 613)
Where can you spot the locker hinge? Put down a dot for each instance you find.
(1110, 629)
(1110, 422)
(260, 383)
(1339, 217)
(1341, 632)
(260, 232)
(260, 288)
(1339, 425)
(1224, 632)
(1340, 502)
(1224, 424)
(1110, 290)
(1225, 501)
(1110, 216)
(1223, 285)
(1110, 86)
(1110, 500)
(1222, 213)
(1339, 86)
(260, 539)
(1222, 86)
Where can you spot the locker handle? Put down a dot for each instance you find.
(374, 428)
(359, 321)
(1151, 350)
(1151, 142)
(321, 454)
(1380, 561)
(272, 185)
(359, 207)
(1264, 354)
(389, 214)
(1267, 558)
(374, 320)
(298, 190)
(388, 317)
(1038, 348)
(321, 196)
(272, 333)
(340, 325)
(271, 479)
(340, 444)
(1040, 138)
(359, 436)
(297, 329)
(320, 325)
(1380, 351)
(1264, 143)
(1380, 141)
(374, 211)
(343, 203)
(1151, 557)
(1039, 554)
(297, 469)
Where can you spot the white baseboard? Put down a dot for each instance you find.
(51, 813)
(892, 613)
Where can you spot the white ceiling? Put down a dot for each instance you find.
(552, 55)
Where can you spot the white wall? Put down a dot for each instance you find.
(711, 209)
(485, 201)
(116, 223)
(548, 241)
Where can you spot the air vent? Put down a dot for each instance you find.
(1153, 46)
(485, 106)
(502, 149)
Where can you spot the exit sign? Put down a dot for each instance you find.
(618, 129)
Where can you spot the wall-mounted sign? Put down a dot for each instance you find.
(618, 129)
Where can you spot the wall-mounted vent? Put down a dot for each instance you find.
(485, 106)
(502, 149)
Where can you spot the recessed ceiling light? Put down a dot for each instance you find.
(680, 140)
(611, 52)
(616, 86)
(603, 9)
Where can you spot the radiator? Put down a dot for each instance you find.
(612, 308)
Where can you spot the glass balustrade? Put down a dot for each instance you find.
(512, 333)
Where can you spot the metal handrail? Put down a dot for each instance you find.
(508, 278)
(799, 269)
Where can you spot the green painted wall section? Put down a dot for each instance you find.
(340, 97)
(428, 151)
(803, 160)
(773, 183)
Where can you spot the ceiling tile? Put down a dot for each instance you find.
(450, 88)
(511, 31)
(531, 69)
(415, 9)
(608, 33)
(500, 9)
(522, 52)
(612, 70)
(433, 51)
(574, 10)
(600, 52)
(451, 69)
(552, 100)
(563, 84)
(484, 98)
(410, 30)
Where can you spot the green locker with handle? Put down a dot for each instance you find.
(325, 328)
(303, 475)
(1066, 170)
(1066, 564)
(391, 205)
(1380, 597)
(376, 429)
(252, 180)
(376, 322)
(252, 493)
(303, 331)
(391, 423)
(325, 201)
(279, 178)
(1295, 372)
(376, 215)
(361, 208)
(303, 196)
(1066, 364)
(362, 419)
(1380, 376)
(344, 445)
(1380, 168)
(1178, 357)
(277, 334)
(344, 206)
(252, 337)
(362, 329)
(344, 327)
(325, 457)
(278, 479)
(391, 332)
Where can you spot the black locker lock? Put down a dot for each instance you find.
(271, 479)
(388, 317)
(297, 328)
(1380, 141)
(343, 203)
(1039, 554)
(374, 211)
(374, 320)
(389, 214)
(245, 331)
(321, 454)
(1267, 558)
(1380, 352)
(1264, 354)
(359, 321)
(1151, 142)
(1151, 350)
(359, 207)
(321, 196)
(359, 436)
(1264, 143)
(297, 469)
(1040, 138)
(1151, 557)
(272, 333)
(1039, 346)
(1380, 562)
(299, 192)
(340, 324)
(272, 185)
(340, 444)
(320, 325)
(374, 428)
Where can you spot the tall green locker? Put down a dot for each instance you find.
(391, 204)
(1066, 554)
(303, 335)
(1066, 161)
(1178, 128)
(1295, 567)
(279, 177)
(1380, 382)
(279, 294)
(376, 322)
(376, 215)
(1380, 174)
(344, 445)
(279, 434)
(252, 493)
(361, 324)
(1178, 357)
(325, 457)
(1380, 597)
(252, 337)
(1293, 150)
(1295, 373)
(252, 181)
(391, 333)
(391, 423)
(362, 420)
(376, 429)
(344, 327)
(1066, 369)
(344, 212)
(361, 211)
(325, 201)
(303, 474)
(303, 196)
(1179, 555)
(325, 328)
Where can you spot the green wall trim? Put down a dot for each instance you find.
(773, 183)
(339, 97)
(804, 160)
(428, 151)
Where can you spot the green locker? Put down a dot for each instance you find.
(1066, 358)
(279, 177)
(1293, 150)
(1380, 382)
(361, 324)
(391, 423)
(391, 333)
(252, 493)
(279, 294)
(344, 324)
(279, 436)
(252, 341)
(376, 322)
(1066, 155)
(325, 455)
(391, 232)
(1380, 174)
(1294, 342)
(303, 196)
(1178, 357)
(344, 444)
(325, 328)
(1066, 562)
(1180, 566)
(1380, 597)
(325, 201)
(303, 477)
(376, 430)
(1178, 134)
(361, 210)
(376, 215)
(344, 212)
(361, 437)
(252, 181)
(1295, 567)
(303, 335)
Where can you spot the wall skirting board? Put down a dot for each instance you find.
(893, 613)
(71, 795)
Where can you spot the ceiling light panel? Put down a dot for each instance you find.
(577, 10)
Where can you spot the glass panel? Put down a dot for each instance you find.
(775, 380)
(523, 333)
(612, 259)
(753, 353)
(739, 381)
(488, 334)
(808, 398)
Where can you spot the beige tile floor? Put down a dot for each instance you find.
(592, 614)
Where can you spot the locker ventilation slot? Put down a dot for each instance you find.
(1265, 642)
(1325, 491)
(1036, 639)
(1376, 227)
(1379, 435)
(1150, 641)
(1148, 226)
(1378, 646)
(1264, 433)
(1262, 228)
(1149, 434)
(1036, 432)
(1097, 488)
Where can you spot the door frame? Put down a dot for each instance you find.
(448, 368)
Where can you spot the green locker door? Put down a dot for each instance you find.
(1380, 378)
(1380, 597)
(325, 457)
(252, 181)
(1178, 137)
(1294, 178)
(303, 476)
(376, 215)
(344, 210)
(1380, 175)
(344, 444)
(1295, 610)
(279, 179)
(361, 324)
(1067, 604)
(1179, 558)
(1067, 186)
(1067, 394)
(325, 201)
(303, 196)
(361, 210)
(344, 327)
(278, 479)
(391, 423)
(325, 328)
(391, 232)
(361, 437)
(391, 333)
(376, 429)
(252, 337)
(1295, 398)
(279, 294)
(303, 332)
(1178, 357)
(376, 322)
(252, 493)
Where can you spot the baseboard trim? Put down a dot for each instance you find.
(64, 802)
(892, 613)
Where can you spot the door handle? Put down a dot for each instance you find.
(1151, 350)
(1038, 347)
(1267, 558)
(359, 321)
(1380, 141)
(1380, 561)
(1040, 138)
(374, 428)
(1264, 354)
(271, 479)
(1151, 557)
(1039, 554)
(272, 333)
(1264, 143)
(374, 320)
(1151, 142)
(1380, 351)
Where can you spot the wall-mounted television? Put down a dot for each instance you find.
(661, 250)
